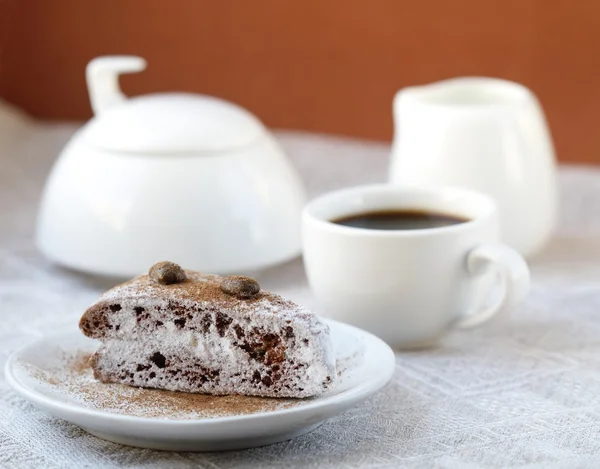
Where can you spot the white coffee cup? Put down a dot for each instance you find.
(409, 287)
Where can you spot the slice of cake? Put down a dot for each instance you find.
(187, 331)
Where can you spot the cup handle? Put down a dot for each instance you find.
(513, 271)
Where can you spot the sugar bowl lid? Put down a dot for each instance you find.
(161, 123)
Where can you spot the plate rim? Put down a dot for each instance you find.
(352, 395)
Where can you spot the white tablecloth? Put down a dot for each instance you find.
(523, 392)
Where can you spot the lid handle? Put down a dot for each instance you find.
(102, 76)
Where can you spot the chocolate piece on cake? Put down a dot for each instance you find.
(193, 332)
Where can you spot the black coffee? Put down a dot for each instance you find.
(399, 220)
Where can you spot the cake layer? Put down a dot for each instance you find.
(180, 367)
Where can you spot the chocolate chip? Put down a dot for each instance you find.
(206, 322)
(167, 273)
(115, 308)
(240, 286)
(159, 359)
(222, 322)
(179, 322)
(267, 381)
(257, 351)
(238, 331)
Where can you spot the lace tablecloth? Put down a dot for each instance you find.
(523, 392)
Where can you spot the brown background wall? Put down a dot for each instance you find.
(324, 65)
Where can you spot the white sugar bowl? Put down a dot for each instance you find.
(169, 176)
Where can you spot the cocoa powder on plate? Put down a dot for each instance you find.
(74, 378)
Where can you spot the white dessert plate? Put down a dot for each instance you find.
(51, 374)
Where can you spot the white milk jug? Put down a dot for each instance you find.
(486, 134)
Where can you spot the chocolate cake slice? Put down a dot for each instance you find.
(187, 331)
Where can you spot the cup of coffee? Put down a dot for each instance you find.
(409, 263)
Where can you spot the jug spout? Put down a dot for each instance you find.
(406, 95)
(102, 76)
